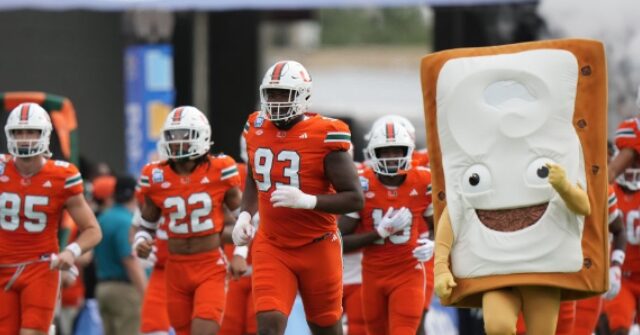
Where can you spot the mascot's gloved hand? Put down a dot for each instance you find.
(575, 198)
(444, 284)
(614, 282)
(558, 178)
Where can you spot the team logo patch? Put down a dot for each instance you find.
(369, 195)
(364, 183)
(157, 175)
(166, 184)
(258, 122)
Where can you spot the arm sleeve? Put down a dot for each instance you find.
(628, 135)
(337, 136)
(229, 173)
(73, 183)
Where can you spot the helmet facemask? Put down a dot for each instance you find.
(183, 144)
(21, 142)
(391, 160)
(281, 104)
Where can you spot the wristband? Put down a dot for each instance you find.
(242, 251)
(617, 256)
(75, 249)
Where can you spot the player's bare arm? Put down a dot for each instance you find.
(90, 233)
(250, 195)
(616, 228)
(232, 202)
(620, 162)
(341, 172)
(351, 241)
(143, 240)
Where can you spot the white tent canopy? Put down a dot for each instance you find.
(218, 5)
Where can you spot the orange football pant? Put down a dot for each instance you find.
(352, 304)
(31, 300)
(393, 301)
(239, 314)
(314, 269)
(428, 292)
(195, 288)
(587, 315)
(154, 316)
(621, 309)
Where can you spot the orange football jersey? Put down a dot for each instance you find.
(31, 208)
(414, 194)
(293, 157)
(629, 204)
(628, 134)
(191, 205)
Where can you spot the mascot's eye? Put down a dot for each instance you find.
(476, 179)
(537, 172)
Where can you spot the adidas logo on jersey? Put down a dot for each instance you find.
(419, 266)
(204, 180)
(220, 261)
(304, 135)
(413, 193)
(46, 184)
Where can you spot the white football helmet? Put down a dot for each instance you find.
(28, 116)
(390, 134)
(397, 118)
(285, 77)
(186, 134)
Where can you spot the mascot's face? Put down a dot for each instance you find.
(516, 114)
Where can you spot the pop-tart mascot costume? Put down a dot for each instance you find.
(517, 138)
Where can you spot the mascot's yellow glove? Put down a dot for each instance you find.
(574, 197)
(443, 279)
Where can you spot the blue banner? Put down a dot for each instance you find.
(149, 98)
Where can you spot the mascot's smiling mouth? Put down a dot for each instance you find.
(508, 220)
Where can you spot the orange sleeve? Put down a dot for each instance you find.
(73, 183)
(229, 173)
(337, 136)
(144, 182)
(628, 135)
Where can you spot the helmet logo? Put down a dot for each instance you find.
(390, 132)
(24, 113)
(177, 115)
(305, 76)
(277, 72)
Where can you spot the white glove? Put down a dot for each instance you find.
(243, 231)
(424, 251)
(393, 222)
(615, 275)
(73, 271)
(292, 197)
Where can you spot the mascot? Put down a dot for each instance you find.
(517, 138)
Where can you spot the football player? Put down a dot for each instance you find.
(300, 174)
(34, 192)
(397, 198)
(188, 191)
